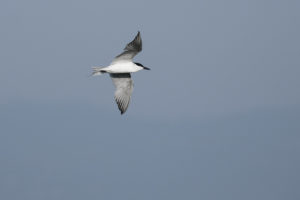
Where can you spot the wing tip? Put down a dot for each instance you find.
(121, 107)
(122, 111)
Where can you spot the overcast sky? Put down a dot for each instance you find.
(217, 117)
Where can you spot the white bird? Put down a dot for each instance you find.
(120, 69)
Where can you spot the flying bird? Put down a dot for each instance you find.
(120, 69)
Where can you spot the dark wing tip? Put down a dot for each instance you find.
(137, 38)
(121, 106)
(135, 45)
(122, 110)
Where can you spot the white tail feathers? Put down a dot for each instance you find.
(97, 71)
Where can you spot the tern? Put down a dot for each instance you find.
(120, 69)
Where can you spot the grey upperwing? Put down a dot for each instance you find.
(131, 49)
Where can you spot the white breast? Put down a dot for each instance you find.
(123, 67)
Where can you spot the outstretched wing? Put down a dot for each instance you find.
(131, 49)
(124, 87)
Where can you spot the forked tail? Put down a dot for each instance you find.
(98, 71)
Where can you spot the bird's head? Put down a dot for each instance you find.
(142, 66)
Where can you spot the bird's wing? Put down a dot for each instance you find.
(124, 87)
(131, 49)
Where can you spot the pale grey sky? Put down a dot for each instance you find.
(216, 117)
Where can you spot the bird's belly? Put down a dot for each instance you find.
(122, 68)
